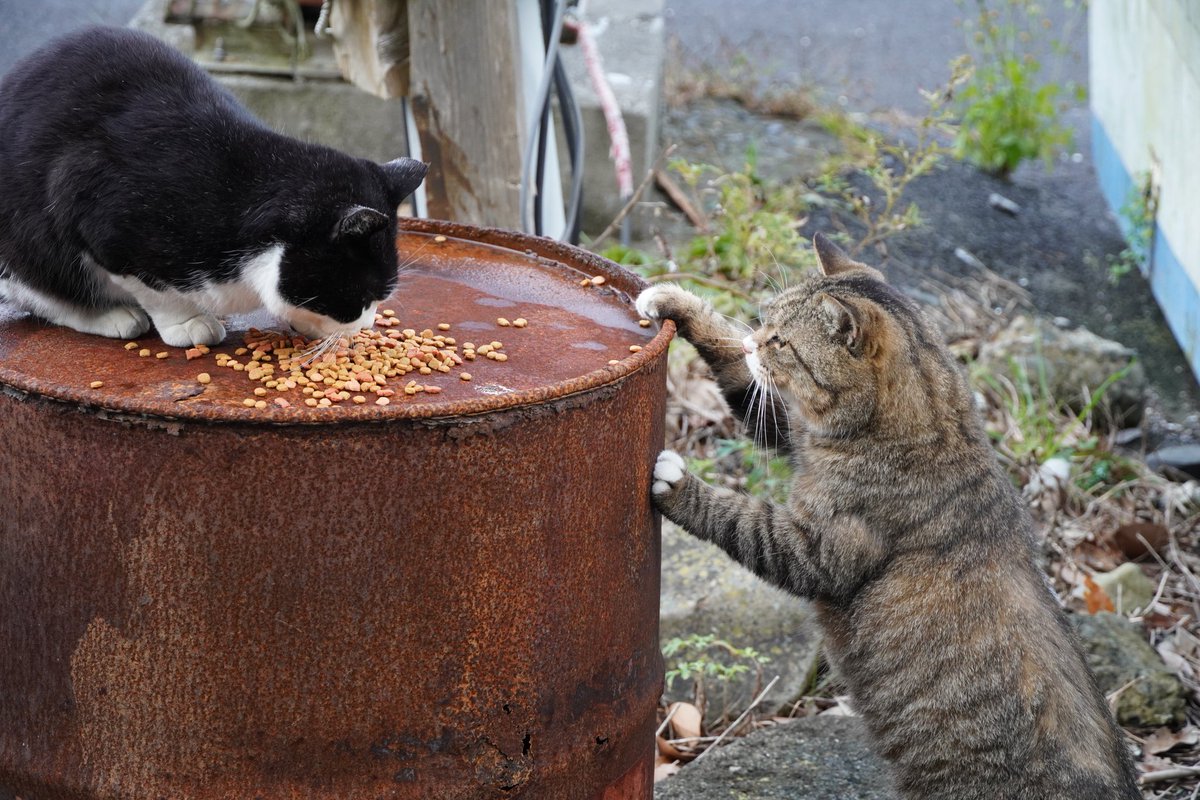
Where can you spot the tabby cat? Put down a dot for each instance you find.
(134, 188)
(908, 537)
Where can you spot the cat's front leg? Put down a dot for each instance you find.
(787, 545)
(179, 321)
(719, 343)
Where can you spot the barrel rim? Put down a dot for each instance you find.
(620, 279)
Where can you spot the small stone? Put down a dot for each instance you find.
(1182, 457)
(1120, 657)
(1002, 203)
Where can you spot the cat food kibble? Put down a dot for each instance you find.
(163, 354)
(520, 322)
(204, 377)
(597, 280)
(502, 322)
(439, 238)
(96, 384)
(131, 345)
(645, 323)
(354, 369)
(144, 352)
(635, 348)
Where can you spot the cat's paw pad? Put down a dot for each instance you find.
(664, 301)
(668, 471)
(200, 329)
(122, 322)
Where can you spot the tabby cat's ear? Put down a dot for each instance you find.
(833, 260)
(845, 322)
(404, 175)
(358, 221)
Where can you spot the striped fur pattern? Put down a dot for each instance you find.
(906, 534)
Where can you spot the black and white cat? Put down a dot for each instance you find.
(134, 188)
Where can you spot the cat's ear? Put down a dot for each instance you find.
(404, 175)
(358, 221)
(845, 322)
(833, 260)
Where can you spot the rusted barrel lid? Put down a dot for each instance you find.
(582, 333)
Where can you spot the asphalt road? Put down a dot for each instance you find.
(870, 55)
(25, 25)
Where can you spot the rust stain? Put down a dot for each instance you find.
(446, 599)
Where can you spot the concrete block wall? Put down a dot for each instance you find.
(1144, 58)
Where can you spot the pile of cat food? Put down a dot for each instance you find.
(369, 366)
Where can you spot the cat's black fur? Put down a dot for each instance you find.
(117, 152)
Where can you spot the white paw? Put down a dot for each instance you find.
(668, 471)
(122, 322)
(653, 302)
(200, 329)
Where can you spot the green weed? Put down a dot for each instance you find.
(1008, 113)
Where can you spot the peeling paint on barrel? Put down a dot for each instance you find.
(401, 604)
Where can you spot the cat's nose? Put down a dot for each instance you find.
(748, 345)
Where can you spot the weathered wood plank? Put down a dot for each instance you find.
(466, 97)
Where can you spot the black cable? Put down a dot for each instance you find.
(572, 122)
(539, 180)
(572, 119)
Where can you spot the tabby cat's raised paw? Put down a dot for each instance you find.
(667, 301)
(669, 470)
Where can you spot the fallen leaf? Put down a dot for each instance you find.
(1095, 597)
(1126, 538)
(1164, 739)
(687, 721)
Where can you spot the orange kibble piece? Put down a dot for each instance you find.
(443, 326)
(645, 323)
(144, 352)
(131, 345)
(635, 348)
(163, 354)
(520, 322)
(382, 401)
(466, 376)
(204, 377)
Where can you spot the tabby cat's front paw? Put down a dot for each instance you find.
(668, 301)
(669, 471)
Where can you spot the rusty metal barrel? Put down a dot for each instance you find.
(454, 595)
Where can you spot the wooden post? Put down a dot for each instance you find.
(465, 92)
(370, 41)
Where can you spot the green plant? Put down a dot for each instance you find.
(1008, 114)
(1028, 425)
(706, 660)
(888, 165)
(749, 244)
(741, 464)
(1138, 214)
